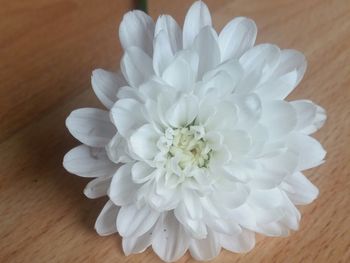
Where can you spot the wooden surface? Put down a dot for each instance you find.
(47, 50)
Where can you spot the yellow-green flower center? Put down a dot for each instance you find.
(189, 147)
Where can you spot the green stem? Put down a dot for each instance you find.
(142, 5)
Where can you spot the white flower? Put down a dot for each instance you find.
(198, 149)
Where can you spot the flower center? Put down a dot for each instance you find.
(187, 147)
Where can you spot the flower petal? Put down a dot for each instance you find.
(117, 150)
(192, 204)
(197, 17)
(144, 142)
(268, 199)
(137, 244)
(90, 126)
(127, 116)
(196, 228)
(285, 77)
(136, 66)
(182, 72)
(237, 37)
(122, 190)
(274, 169)
(278, 117)
(137, 29)
(97, 187)
(249, 110)
(106, 222)
(183, 112)
(311, 117)
(105, 85)
(133, 221)
(310, 151)
(207, 248)
(88, 162)
(238, 243)
(267, 55)
(163, 54)
(224, 226)
(172, 29)
(206, 40)
(299, 189)
(167, 42)
(127, 92)
(170, 240)
(259, 63)
(221, 84)
(141, 172)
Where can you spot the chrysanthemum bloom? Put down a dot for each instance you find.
(198, 148)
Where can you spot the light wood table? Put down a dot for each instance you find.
(47, 50)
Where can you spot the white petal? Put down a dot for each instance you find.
(117, 150)
(224, 226)
(232, 67)
(141, 172)
(264, 54)
(238, 243)
(231, 196)
(122, 190)
(206, 40)
(127, 92)
(163, 54)
(105, 85)
(299, 189)
(291, 60)
(237, 37)
(88, 162)
(192, 204)
(197, 17)
(127, 116)
(278, 117)
(170, 241)
(238, 142)
(136, 66)
(221, 84)
(274, 169)
(183, 112)
(172, 29)
(286, 76)
(134, 244)
(267, 215)
(167, 42)
(182, 72)
(244, 215)
(277, 88)
(91, 126)
(137, 29)
(267, 198)
(196, 228)
(205, 249)
(97, 187)
(212, 118)
(310, 151)
(274, 229)
(144, 142)
(152, 88)
(106, 222)
(249, 111)
(133, 221)
(311, 117)
(259, 63)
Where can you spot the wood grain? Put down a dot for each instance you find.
(47, 51)
(44, 215)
